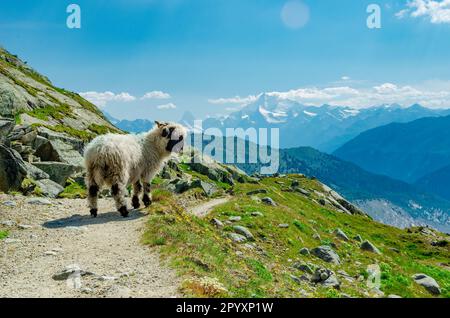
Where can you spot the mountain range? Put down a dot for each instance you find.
(325, 128)
(131, 126)
(404, 151)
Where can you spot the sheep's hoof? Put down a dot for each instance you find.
(147, 201)
(94, 213)
(123, 211)
(135, 202)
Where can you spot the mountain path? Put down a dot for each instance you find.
(203, 209)
(45, 239)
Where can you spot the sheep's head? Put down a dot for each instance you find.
(172, 136)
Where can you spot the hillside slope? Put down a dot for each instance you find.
(387, 200)
(43, 130)
(31, 99)
(285, 237)
(402, 151)
(437, 182)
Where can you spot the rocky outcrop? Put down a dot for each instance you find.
(43, 130)
(12, 169)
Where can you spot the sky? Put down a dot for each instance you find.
(157, 59)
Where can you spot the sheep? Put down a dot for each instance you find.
(118, 161)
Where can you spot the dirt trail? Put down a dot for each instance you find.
(203, 209)
(62, 234)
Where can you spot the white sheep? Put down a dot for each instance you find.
(120, 160)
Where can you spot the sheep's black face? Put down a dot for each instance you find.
(175, 136)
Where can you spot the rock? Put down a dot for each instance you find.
(24, 226)
(50, 253)
(10, 204)
(49, 188)
(244, 231)
(345, 275)
(60, 151)
(183, 185)
(428, 283)
(259, 191)
(107, 278)
(340, 234)
(268, 201)
(38, 201)
(296, 279)
(6, 126)
(303, 191)
(304, 267)
(11, 241)
(393, 296)
(73, 269)
(257, 214)
(295, 184)
(210, 168)
(57, 171)
(322, 202)
(317, 237)
(12, 169)
(208, 188)
(440, 243)
(304, 251)
(217, 223)
(326, 253)
(367, 246)
(283, 226)
(326, 278)
(234, 218)
(8, 223)
(358, 238)
(237, 238)
(35, 173)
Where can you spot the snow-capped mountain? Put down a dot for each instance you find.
(324, 128)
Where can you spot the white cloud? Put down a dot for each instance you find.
(234, 100)
(437, 11)
(100, 99)
(156, 95)
(345, 78)
(167, 106)
(433, 95)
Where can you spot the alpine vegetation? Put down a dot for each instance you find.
(120, 160)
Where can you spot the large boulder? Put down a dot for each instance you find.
(210, 168)
(428, 283)
(368, 246)
(6, 126)
(12, 169)
(60, 151)
(58, 171)
(49, 188)
(327, 254)
(35, 173)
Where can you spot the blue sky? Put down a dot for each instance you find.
(213, 56)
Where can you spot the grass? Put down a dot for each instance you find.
(3, 234)
(81, 134)
(73, 190)
(197, 249)
(29, 186)
(56, 112)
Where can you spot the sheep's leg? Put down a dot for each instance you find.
(137, 188)
(118, 191)
(93, 197)
(147, 198)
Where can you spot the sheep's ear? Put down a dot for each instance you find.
(160, 124)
